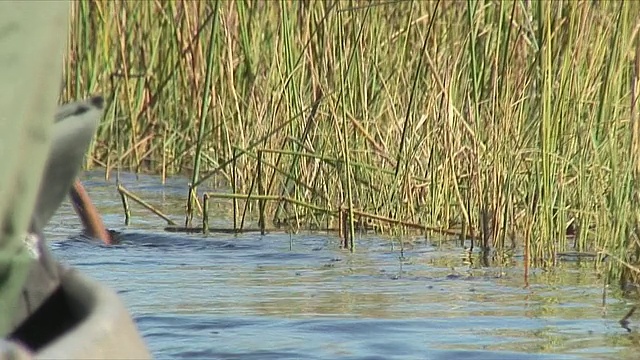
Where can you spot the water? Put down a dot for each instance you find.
(280, 297)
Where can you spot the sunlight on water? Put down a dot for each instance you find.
(276, 297)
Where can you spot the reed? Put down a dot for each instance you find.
(507, 120)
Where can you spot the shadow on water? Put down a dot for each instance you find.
(280, 297)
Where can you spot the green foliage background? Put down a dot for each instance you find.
(514, 118)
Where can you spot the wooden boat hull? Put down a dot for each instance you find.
(103, 329)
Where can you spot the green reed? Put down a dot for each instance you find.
(507, 120)
(204, 111)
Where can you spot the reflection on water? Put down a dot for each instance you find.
(276, 297)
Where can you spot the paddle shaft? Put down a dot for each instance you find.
(88, 214)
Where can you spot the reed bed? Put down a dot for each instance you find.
(515, 121)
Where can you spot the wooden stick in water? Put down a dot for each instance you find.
(88, 214)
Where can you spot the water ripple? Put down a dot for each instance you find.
(279, 296)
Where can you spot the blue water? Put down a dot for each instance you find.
(300, 297)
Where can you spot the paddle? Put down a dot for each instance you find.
(88, 214)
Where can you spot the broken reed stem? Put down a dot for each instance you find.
(234, 175)
(125, 205)
(344, 229)
(144, 204)
(189, 208)
(205, 213)
(261, 202)
(337, 213)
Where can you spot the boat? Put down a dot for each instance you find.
(62, 313)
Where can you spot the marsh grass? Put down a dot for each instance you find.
(509, 120)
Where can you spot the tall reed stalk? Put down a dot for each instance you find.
(514, 121)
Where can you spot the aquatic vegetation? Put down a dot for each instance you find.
(514, 121)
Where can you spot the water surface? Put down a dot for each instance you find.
(278, 296)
